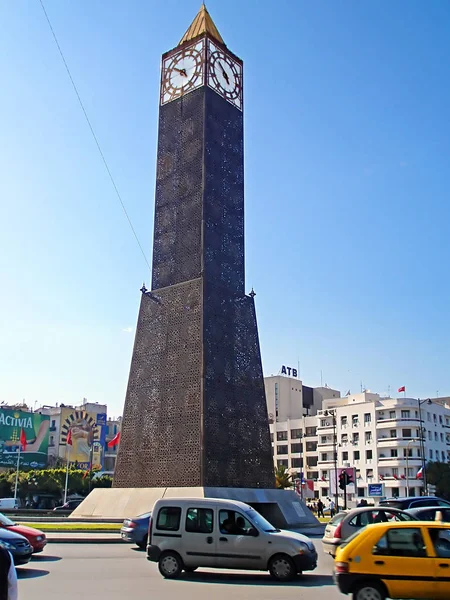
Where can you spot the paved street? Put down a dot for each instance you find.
(116, 571)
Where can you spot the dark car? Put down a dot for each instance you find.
(19, 547)
(414, 502)
(428, 513)
(136, 530)
(70, 505)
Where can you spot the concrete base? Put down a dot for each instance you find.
(283, 508)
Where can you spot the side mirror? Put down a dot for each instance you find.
(253, 532)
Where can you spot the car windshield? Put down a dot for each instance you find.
(5, 521)
(260, 521)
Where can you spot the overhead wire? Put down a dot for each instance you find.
(93, 134)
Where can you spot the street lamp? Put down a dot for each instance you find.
(422, 442)
(332, 414)
(407, 468)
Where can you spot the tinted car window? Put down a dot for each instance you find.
(199, 520)
(427, 515)
(441, 542)
(401, 542)
(417, 503)
(169, 518)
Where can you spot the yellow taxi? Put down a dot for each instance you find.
(409, 559)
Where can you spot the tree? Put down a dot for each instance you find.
(283, 479)
(438, 474)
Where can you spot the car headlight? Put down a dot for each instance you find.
(303, 548)
(6, 545)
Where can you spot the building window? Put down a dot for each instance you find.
(324, 492)
(406, 433)
(442, 437)
(356, 455)
(296, 434)
(368, 436)
(431, 454)
(393, 433)
(416, 414)
(344, 438)
(343, 421)
(296, 448)
(312, 461)
(282, 436)
(311, 431)
(324, 475)
(405, 414)
(368, 454)
(437, 454)
(271, 437)
(369, 472)
(297, 463)
(428, 416)
(430, 437)
(440, 419)
(434, 418)
(324, 456)
(282, 449)
(324, 439)
(407, 452)
(367, 418)
(435, 436)
(395, 472)
(443, 456)
(324, 423)
(394, 453)
(311, 446)
(282, 462)
(392, 414)
(355, 420)
(345, 456)
(356, 438)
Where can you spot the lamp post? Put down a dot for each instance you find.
(407, 468)
(422, 442)
(332, 414)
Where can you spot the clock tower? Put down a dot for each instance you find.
(195, 410)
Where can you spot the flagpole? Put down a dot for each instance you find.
(67, 472)
(17, 471)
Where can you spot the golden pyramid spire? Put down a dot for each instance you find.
(202, 24)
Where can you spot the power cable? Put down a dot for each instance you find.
(93, 134)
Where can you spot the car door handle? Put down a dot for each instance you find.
(209, 540)
(444, 565)
(379, 562)
(223, 539)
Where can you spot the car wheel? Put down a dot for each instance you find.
(170, 565)
(143, 544)
(190, 569)
(281, 567)
(369, 591)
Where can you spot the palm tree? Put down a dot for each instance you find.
(283, 479)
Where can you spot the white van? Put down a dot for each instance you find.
(185, 534)
(9, 503)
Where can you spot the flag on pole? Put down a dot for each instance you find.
(23, 440)
(402, 389)
(69, 438)
(85, 474)
(114, 441)
(419, 473)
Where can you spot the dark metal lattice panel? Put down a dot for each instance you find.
(177, 252)
(237, 441)
(160, 438)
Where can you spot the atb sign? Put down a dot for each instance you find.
(375, 490)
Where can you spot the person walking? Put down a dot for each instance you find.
(8, 576)
(332, 508)
(320, 508)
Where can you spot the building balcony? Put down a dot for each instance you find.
(329, 461)
(398, 422)
(398, 441)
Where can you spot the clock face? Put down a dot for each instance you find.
(225, 75)
(182, 72)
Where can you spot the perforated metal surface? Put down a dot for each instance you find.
(195, 412)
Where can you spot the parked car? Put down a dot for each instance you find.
(414, 502)
(70, 505)
(185, 534)
(136, 530)
(430, 513)
(36, 537)
(345, 524)
(409, 559)
(19, 547)
(9, 503)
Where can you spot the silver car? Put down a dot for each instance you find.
(344, 524)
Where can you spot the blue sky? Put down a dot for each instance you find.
(347, 141)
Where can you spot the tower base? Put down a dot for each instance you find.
(283, 508)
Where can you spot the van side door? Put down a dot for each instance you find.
(200, 537)
(238, 547)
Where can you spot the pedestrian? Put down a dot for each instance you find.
(320, 508)
(8, 576)
(332, 508)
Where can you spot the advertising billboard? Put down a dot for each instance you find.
(375, 490)
(88, 432)
(36, 429)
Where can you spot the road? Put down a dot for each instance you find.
(116, 572)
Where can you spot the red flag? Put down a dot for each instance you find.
(85, 474)
(23, 440)
(114, 441)
(69, 438)
(402, 389)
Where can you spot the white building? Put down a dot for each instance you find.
(379, 437)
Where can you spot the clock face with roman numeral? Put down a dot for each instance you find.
(225, 74)
(182, 72)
